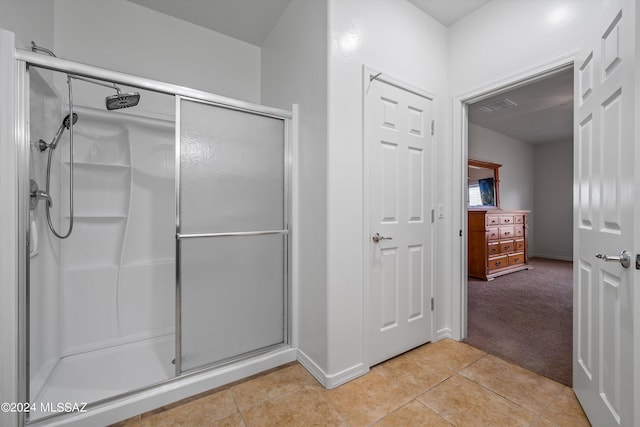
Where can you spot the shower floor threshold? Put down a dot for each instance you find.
(101, 374)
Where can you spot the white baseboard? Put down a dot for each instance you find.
(333, 380)
(443, 333)
(559, 258)
(312, 367)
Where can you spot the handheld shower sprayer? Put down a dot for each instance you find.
(66, 124)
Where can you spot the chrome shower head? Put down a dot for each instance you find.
(122, 100)
(113, 102)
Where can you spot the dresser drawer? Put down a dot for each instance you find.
(518, 219)
(506, 232)
(519, 245)
(498, 262)
(516, 259)
(519, 231)
(507, 246)
(493, 248)
(506, 219)
(493, 234)
(493, 220)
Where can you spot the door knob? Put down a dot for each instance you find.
(377, 237)
(624, 258)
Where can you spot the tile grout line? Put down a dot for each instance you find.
(244, 421)
(499, 394)
(538, 414)
(323, 396)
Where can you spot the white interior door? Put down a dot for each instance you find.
(604, 219)
(399, 143)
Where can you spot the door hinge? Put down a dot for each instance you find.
(432, 303)
(637, 261)
(460, 233)
(433, 127)
(433, 216)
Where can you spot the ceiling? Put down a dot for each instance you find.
(253, 20)
(543, 114)
(448, 11)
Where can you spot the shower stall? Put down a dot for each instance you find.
(157, 241)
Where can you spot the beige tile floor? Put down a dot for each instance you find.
(443, 384)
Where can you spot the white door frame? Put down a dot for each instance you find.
(368, 72)
(459, 136)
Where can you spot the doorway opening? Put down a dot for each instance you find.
(524, 315)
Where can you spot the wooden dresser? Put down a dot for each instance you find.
(498, 242)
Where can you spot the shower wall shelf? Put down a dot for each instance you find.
(96, 165)
(97, 217)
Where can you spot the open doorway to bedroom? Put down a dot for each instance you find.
(526, 315)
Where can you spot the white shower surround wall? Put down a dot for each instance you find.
(111, 282)
(119, 262)
(46, 275)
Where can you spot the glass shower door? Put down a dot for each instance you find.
(232, 234)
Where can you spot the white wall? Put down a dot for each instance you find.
(534, 177)
(501, 43)
(553, 200)
(294, 70)
(29, 20)
(399, 40)
(506, 37)
(126, 37)
(516, 158)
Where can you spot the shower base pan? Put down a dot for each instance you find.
(97, 375)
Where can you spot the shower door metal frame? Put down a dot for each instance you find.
(18, 291)
(287, 162)
(14, 305)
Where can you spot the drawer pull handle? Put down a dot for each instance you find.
(506, 233)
